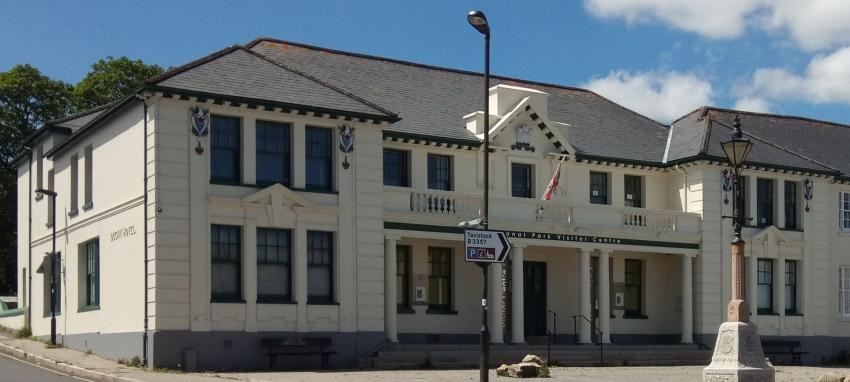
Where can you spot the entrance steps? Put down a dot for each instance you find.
(451, 356)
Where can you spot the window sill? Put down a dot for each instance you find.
(231, 183)
(325, 303)
(793, 314)
(73, 213)
(448, 312)
(39, 197)
(48, 225)
(767, 313)
(316, 190)
(226, 301)
(88, 206)
(405, 311)
(276, 302)
(635, 317)
(89, 308)
(47, 315)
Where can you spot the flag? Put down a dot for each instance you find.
(553, 183)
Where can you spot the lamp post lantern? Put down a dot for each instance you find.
(479, 21)
(738, 354)
(52, 256)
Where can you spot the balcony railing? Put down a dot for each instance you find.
(465, 206)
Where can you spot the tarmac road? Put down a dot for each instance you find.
(14, 370)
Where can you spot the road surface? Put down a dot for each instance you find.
(14, 370)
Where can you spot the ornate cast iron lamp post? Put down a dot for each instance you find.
(51, 258)
(738, 355)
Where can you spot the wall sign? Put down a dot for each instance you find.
(122, 233)
(200, 125)
(523, 139)
(808, 191)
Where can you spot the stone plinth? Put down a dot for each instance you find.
(738, 356)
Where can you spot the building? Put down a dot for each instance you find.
(181, 245)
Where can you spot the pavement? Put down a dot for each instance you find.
(66, 365)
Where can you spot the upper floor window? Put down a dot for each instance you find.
(225, 149)
(598, 187)
(396, 168)
(521, 180)
(51, 268)
(319, 158)
(844, 291)
(74, 185)
(226, 256)
(39, 169)
(633, 187)
(88, 178)
(51, 200)
(274, 158)
(439, 172)
(764, 201)
(791, 209)
(91, 272)
(320, 267)
(844, 211)
(274, 265)
(765, 286)
(742, 197)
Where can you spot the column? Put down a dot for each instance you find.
(604, 296)
(299, 176)
(494, 302)
(584, 297)
(517, 297)
(390, 271)
(687, 300)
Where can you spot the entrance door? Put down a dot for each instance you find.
(534, 294)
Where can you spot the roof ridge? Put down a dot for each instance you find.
(191, 65)
(686, 115)
(81, 113)
(784, 116)
(320, 82)
(257, 40)
(774, 145)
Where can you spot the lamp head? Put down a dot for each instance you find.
(479, 22)
(738, 147)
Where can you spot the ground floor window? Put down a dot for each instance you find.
(790, 286)
(320, 267)
(633, 298)
(439, 279)
(844, 291)
(47, 269)
(403, 277)
(226, 267)
(274, 271)
(91, 261)
(764, 286)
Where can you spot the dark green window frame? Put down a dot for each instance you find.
(633, 191)
(633, 299)
(440, 172)
(790, 286)
(225, 149)
(599, 187)
(226, 257)
(791, 210)
(764, 286)
(320, 261)
(396, 168)
(319, 158)
(403, 278)
(522, 180)
(274, 256)
(92, 273)
(274, 153)
(439, 279)
(764, 202)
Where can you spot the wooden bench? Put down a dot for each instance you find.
(297, 346)
(779, 347)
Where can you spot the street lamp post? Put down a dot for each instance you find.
(479, 22)
(738, 355)
(52, 196)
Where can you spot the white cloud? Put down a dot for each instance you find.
(662, 96)
(753, 104)
(812, 24)
(824, 81)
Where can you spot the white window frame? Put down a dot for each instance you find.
(844, 292)
(844, 211)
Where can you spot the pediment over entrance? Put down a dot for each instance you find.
(277, 195)
(771, 234)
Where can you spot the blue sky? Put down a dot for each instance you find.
(662, 58)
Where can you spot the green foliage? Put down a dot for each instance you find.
(24, 332)
(134, 362)
(110, 79)
(27, 100)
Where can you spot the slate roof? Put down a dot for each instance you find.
(784, 141)
(239, 73)
(78, 120)
(432, 101)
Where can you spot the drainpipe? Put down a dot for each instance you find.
(145, 226)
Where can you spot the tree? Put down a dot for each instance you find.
(110, 79)
(27, 100)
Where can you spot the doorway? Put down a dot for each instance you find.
(534, 296)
